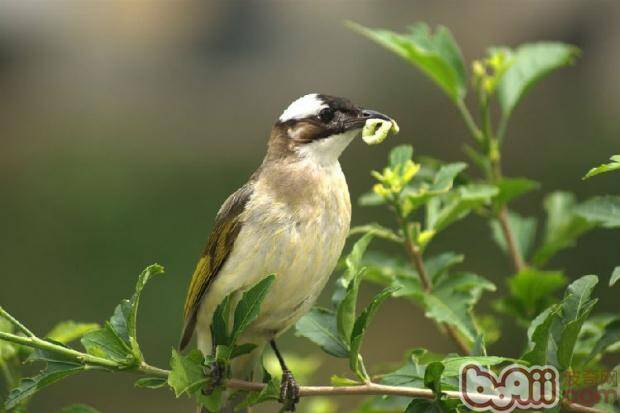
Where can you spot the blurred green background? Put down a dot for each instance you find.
(125, 124)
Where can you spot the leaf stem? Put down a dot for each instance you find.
(476, 133)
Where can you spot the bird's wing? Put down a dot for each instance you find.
(219, 246)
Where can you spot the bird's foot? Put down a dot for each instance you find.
(289, 391)
(215, 372)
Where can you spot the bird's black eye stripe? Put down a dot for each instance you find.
(326, 115)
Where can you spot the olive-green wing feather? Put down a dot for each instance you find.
(219, 246)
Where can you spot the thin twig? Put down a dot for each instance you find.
(513, 250)
(15, 322)
(417, 260)
(367, 389)
(374, 389)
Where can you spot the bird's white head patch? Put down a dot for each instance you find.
(305, 106)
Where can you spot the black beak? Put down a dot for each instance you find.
(373, 114)
(365, 114)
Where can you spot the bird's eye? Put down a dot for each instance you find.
(326, 115)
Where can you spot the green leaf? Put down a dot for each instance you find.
(512, 188)
(270, 392)
(409, 375)
(359, 329)
(452, 365)
(541, 347)
(523, 229)
(219, 324)
(439, 264)
(432, 377)
(371, 199)
(611, 336)
(553, 334)
(319, 326)
(345, 312)
(530, 63)
(378, 231)
(107, 344)
(54, 372)
(144, 277)
(186, 372)
(444, 179)
(151, 382)
(438, 55)
(78, 408)
(531, 291)
(353, 265)
(67, 331)
(399, 155)
(457, 204)
(563, 226)
(452, 301)
(242, 349)
(601, 210)
(249, 306)
(7, 350)
(606, 167)
(615, 276)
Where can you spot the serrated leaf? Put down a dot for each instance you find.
(409, 375)
(145, 276)
(606, 167)
(531, 291)
(151, 382)
(219, 324)
(248, 307)
(512, 188)
(601, 210)
(452, 300)
(523, 229)
(563, 226)
(615, 276)
(28, 387)
(107, 344)
(78, 408)
(530, 63)
(439, 264)
(541, 346)
(319, 326)
(186, 372)
(437, 55)
(359, 329)
(457, 205)
(67, 331)
(553, 334)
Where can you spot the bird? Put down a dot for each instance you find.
(291, 218)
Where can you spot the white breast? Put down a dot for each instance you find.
(299, 238)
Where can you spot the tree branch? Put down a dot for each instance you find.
(366, 389)
(374, 389)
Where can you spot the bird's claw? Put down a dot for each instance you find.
(215, 371)
(289, 391)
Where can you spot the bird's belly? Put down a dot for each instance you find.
(302, 255)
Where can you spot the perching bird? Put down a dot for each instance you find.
(291, 219)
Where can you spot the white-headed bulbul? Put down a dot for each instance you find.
(291, 219)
